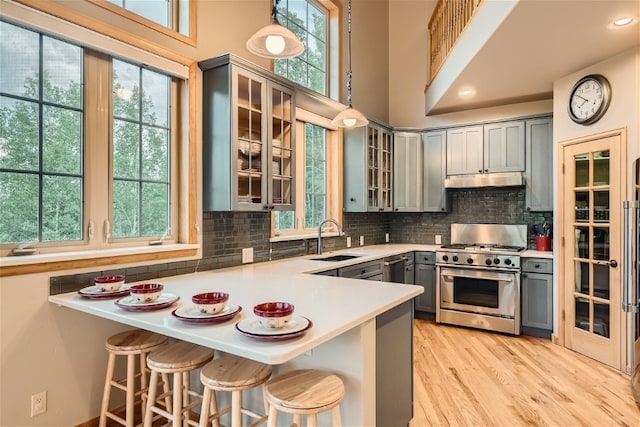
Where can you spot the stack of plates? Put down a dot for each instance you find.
(131, 303)
(192, 314)
(296, 327)
(94, 292)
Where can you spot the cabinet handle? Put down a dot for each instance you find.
(486, 170)
(524, 274)
(479, 170)
(537, 266)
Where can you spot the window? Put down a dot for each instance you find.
(75, 159)
(170, 14)
(317, 194)
(141, 151)
(41, 133)
(310, 22)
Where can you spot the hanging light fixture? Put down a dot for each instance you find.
(275, 41)
(350, 117)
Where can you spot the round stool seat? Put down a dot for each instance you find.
(229, 373)
(305, 389)
(182, 356)
(136, 340)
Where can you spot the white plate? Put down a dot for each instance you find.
(96, 292)
(252, 326)
(131, 302)
(193, 312)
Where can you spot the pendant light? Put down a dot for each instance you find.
(350, 117)
(275, 41)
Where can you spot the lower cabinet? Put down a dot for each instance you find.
(537, 296)
(425, 275)
(371, 270)
(394, 366)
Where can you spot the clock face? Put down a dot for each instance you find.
(589, 99)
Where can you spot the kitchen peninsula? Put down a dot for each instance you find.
(352, 321)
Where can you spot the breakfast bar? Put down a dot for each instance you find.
(347, 317)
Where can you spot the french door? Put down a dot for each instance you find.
(592, 213)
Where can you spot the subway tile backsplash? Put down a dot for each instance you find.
(226, 233)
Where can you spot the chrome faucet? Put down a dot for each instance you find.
(324, 221)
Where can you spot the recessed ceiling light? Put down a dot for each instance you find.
(467, 93)
(621, 22)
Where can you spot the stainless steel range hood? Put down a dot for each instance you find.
(506, 179)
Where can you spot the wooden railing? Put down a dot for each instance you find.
(447, 23)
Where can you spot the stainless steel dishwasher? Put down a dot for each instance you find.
(393, 270)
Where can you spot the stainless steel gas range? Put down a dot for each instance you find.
(478, 283)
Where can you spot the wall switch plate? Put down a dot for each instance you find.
(438, 239)
(348, 242)
(386, 237)
(247, 255)
(38, 403)
(361, 240)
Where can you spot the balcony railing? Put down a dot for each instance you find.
(449, 19)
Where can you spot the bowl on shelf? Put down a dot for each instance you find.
(274, 315)
(211, 302)
(109, 283)
(146, 292)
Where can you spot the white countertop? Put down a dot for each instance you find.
(333, 304)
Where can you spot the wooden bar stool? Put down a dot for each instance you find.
(304, 392)
(178, 360)
(132, 343)
(231, 374)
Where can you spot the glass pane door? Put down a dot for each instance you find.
(250, 140)
(281, 148)
(386, 184)
(592, 214)
(373, 169)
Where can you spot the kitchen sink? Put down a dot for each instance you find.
(343, 257)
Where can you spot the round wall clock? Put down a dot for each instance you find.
(589, 99)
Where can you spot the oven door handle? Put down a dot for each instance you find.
(502, 278)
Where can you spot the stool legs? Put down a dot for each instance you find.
(106, 394)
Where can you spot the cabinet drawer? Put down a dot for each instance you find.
(424, 257)
(537, 265)
(364, 270)
(410, 257)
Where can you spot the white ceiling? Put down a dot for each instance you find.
(540, 41)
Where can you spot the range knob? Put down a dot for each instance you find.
(496, 261)
(445, 258)
(455, 258)
(507, 261)
(487, 261)
(469, 260)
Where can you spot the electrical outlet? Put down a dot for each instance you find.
(39, 403)
(361, 240)
(348, 242)
(247, 255)
(386, 237)
(438, 239)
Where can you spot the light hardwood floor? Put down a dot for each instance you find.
(468, 377)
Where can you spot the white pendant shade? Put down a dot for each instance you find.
(349, 118)
(275, 41)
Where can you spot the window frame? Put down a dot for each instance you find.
(334, 190)
(184, 157)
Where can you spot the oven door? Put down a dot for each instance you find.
(479, 291)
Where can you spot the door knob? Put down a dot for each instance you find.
(613, 263)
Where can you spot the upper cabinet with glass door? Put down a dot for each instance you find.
(368, 169)
(248, 139)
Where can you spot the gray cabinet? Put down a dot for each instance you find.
(408, 268)
(394, 366)
(371, 270)
(537, 296)
(434, 197)
(504, 147)
(407, 172)
(368, 169)
(539, 171)
(425, 275)
(492, 148)
(248, 139)
(465, 150)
